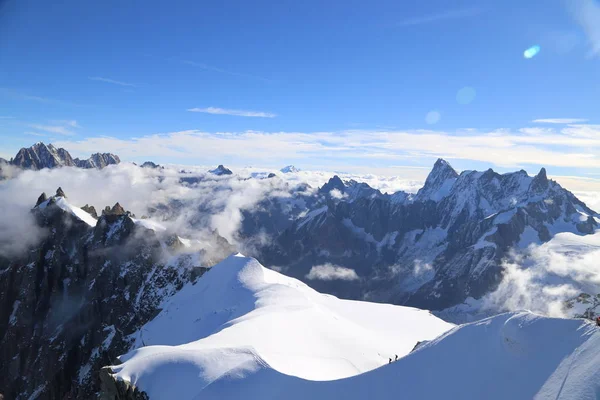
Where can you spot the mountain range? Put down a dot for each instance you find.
(40, 156)
(99, 285)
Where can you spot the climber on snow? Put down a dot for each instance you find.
(598, 320)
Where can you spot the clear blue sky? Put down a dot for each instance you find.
(76, 71)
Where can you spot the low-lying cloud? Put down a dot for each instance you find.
(548, 276)
(331, 272)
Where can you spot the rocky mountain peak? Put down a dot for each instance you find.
(117, 209)
(289, 169)
(540, 182)
(90, 210)
(43, 197)
(334, 182)
(60, 193)
(221, 170)
(438, 182)
(41, 156)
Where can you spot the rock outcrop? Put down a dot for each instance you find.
(68, 304)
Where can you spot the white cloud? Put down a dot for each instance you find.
(207, 67)
(62, 127)
(237, 113)
(112, 81)
(336, 194)
(330, 272)
(576, 146)
(549, 275)
(559, 120)
(443, 16)
(587, 15)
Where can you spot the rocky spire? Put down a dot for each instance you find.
(539, 182)
(440, 178)
(60, 193)
(334, 183)
(41, 199)
(117, 209)
(90, 210)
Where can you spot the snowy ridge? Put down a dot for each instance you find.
(241, 318)
(509, 356)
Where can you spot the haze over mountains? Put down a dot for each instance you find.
(84, 280)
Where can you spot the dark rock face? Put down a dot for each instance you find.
(90, 210)
(60, 193)
(41, 156)
(41, 199)
(150, 164)
(68, 304)
(221, 170)
(432, 250)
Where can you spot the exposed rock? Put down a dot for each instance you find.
(271, 175)
(60, 193)
(90, 210)
(150, 164)
(98, 160)
(41, 199)
(41, 156)
(221, 170)
(68, 304)
(117, 389)
(117, 209)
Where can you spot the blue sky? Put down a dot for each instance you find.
(323, 84)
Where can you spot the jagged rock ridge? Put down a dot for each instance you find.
(40, 156)
(68, 304)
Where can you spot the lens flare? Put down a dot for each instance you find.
(532, 51)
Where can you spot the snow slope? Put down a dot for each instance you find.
(241, 318)
(509, 356)
(76, 211)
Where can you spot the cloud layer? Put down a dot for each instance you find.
(237, 113)
(572, 145)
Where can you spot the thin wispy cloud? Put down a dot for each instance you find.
(62, 127)
(212, 68)
(16, 94)
(587, 14)
(111, 81)
(575, 146)
(443, 16)
(37, 134)
(237, 113)
(559, 120)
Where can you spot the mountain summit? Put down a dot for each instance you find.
(438, 182)
(40, 156)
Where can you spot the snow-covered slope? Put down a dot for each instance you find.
(509, 356)
(242, 318)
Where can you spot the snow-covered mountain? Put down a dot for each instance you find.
(41, 156)
(252, 318)
(290, 169)
(509, 356)
(432, 250)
